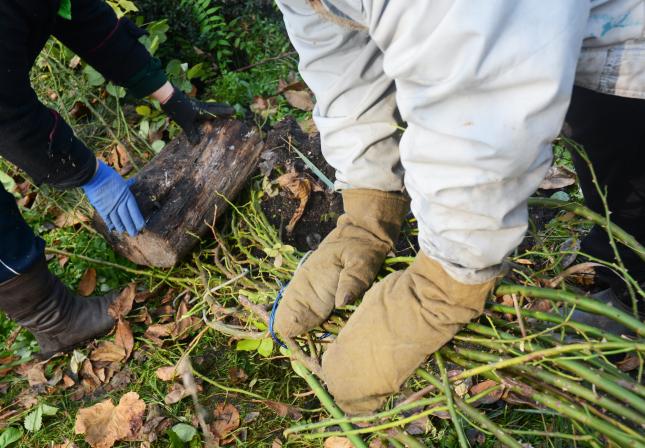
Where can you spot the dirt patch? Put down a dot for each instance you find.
(324, 207)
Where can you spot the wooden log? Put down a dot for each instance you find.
(184, 188)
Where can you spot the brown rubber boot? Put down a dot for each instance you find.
(59, 320)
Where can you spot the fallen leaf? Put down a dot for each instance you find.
(157, 331)
(557, 177)
(338, 442)
(177, 393)
(119, 159)
(489, 398)
(70, 219)
(123, 337)
(283, 86)
(122, 305)
(629, 363)
(62, 260)
(67, 382)
(74, 62)
(283, 409)
(66, 444)
(4, 364)
(103, 424)
(36, 375)
(250, 417)
(300, 99)
(582, 269)
(226, 419)
(108, 352)
(308, 126)
(264, 107)
(89, 380)
(167, 373)
(237, 375)
(277, 443)
(300, 187)
(87, 285)
(419, 426)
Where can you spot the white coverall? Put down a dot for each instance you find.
(482, 86)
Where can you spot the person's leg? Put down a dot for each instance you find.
(611, 131)
(357, 118)
(484, 87)
(37, 300)
(20, 249)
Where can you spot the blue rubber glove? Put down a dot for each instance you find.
(110, 195)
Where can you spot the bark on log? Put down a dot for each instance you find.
(184, 188)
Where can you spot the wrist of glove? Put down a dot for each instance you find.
(110, 195)
(189, 113)
(401, 321)
(346, 263)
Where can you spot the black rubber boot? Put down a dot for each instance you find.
(59, 320)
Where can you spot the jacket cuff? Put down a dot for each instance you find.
(147, 80)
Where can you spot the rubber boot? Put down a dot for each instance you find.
(59, 320)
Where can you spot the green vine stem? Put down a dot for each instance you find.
(444, 385)
(580, 210)
(581, 302)
(326, 401)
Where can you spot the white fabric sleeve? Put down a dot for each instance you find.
(484, 87)
(355, 109)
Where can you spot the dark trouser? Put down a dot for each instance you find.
(19, 247)
(612, 131)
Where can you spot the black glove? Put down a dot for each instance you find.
(190, 114)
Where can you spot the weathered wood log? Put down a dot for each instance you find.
(184, 188)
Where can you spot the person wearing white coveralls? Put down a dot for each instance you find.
(482, 89)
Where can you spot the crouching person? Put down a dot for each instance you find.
(37, 140)
(483, 88)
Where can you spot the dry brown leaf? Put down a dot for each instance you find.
(108, 351)
(283, 86)
(629, 363)
(36, 375)
(300, 99)
(119, 159)
(70, 219)
(177, 393)
(103, 424)
(67, 382)
(87, 285)
(66, 444)
(158, 331)
(62, 260)
(377, 443)
(123, 337)
(89, 380)
(264, 107)
(237, 375)
(226, 419)
(183, 323)
(308, 126)
(582, 269)
(283, 409)
(5, 361)
(338, 442)
(167, 373)
(122, 305)
(557, 177)
(300, 188)
(277, 443)
(491, 397)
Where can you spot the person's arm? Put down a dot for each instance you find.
(112, 47)
(33, 137)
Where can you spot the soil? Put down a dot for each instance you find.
(323, 208)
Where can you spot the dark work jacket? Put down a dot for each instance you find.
(32, 136)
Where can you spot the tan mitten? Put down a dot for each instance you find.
(402, 319)
(347, 261)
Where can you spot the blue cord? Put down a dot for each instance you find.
(274, 309)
